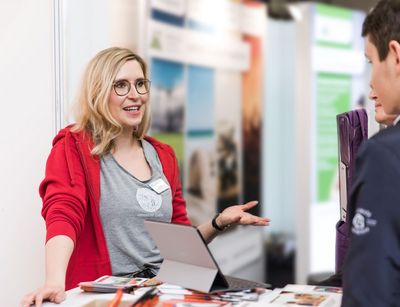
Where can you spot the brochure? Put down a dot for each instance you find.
(109, 284)
(194, 303)
(305, 295)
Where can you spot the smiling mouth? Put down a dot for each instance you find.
(131, 109)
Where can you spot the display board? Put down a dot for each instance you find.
(206, 98)
(205, 65)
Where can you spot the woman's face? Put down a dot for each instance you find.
(128, 109)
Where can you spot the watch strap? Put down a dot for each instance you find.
(215, 225)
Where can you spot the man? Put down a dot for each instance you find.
(372, 268)
(381, 117)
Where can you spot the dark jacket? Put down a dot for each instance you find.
(371, 275)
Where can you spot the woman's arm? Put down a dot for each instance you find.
(233, 215)
(58, 253)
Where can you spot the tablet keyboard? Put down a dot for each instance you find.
(242, 284)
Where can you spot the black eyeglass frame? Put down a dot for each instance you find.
(139, 91)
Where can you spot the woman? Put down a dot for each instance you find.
(104, 177)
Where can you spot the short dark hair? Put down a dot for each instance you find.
(382, 25)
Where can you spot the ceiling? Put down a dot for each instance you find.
(364, 5)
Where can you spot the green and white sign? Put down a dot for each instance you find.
(333, 97)
(333, 83)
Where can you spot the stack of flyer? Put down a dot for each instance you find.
(303, 295)
(176, 296)
(109, 284)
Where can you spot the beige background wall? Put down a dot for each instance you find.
(27, 126)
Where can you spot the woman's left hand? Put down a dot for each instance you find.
(238, 215)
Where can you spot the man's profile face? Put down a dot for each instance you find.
(383, 81)
(381, 117)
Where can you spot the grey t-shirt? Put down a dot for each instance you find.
(125, 203)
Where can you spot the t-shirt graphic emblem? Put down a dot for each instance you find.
(148, 199)
(362, 222)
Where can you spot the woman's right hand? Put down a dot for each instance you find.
(52, 293)
(58, 252)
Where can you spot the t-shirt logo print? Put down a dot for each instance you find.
(362, 222)
(358, 223)
(148, 199)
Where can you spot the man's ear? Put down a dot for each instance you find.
(394, 50)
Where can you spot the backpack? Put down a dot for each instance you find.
(352, 130)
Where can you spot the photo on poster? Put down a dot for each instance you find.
(252, 95)
(228, 136)
(171, 13)
(168, 103)
(200, 179)
(200, 100)
(200, 174)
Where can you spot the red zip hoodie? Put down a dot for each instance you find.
(71, 197)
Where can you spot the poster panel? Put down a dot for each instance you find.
(168, 103)
(251, 123)
(228, 137)
(200, 173)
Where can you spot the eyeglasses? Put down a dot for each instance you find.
(123, 87)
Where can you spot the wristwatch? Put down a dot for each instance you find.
(215, 225)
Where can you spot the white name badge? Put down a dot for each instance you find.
(158, 186)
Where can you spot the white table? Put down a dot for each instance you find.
(76, 297)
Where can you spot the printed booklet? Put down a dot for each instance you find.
(109, 284)
(305, 295)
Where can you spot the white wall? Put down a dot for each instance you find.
(26, 125)
(88, 27)
(85, 31)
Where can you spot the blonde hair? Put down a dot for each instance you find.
(92, 113)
